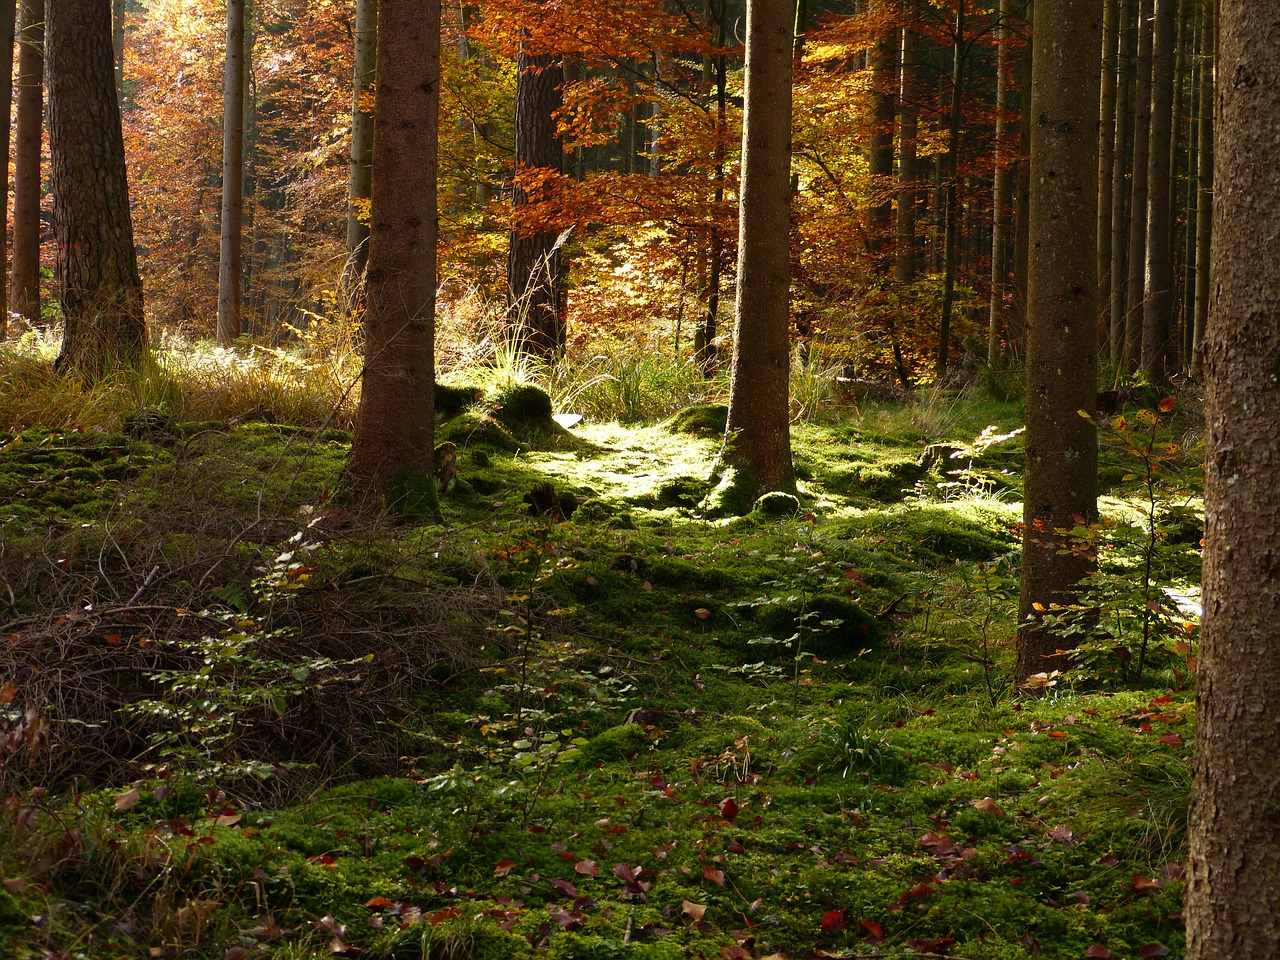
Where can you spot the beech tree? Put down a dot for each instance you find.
(759, 437)
(1061, 463)
(97, 268)
(395, 422)
(1232, 903)
(359, 180)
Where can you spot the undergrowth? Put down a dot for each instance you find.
(240, 719)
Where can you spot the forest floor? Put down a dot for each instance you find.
(244, 717)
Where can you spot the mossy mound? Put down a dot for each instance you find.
(523, 406)
(452, 399)
(473, 429)
(681, 492)
(701, 420)
(733, 495)
(855, 631)
(776, 505)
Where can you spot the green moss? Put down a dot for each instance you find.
(414, 496)
(451, 399)
(701, 420)
(523, 406)
(733, 495)
(776, 505)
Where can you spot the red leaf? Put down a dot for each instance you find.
(729, 809)
(1061, 832)
(588, 868)
(504, 867)
(565, 887)
(715, 876)
(1152, 950)
(1171, 739)
(1098, 952)
(875, 933)
(625, 871)
(378, 902)
(833, 921)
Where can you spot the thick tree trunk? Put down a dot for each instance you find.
(759, 440)
(97, 267)
(395, 423)
(1061, 446)
(233, 100)
(1157, 314)
(1232, 900)
(1135, 296)
(24, 285)
(1204, 192)
(359, 182)
(534, 260)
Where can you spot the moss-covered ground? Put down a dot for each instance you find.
(612, 727)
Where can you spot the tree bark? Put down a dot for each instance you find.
(1204, 191)
(534, 262)
(1121, 163)
(1231, 901)
(8, 15)
(1022, 191)
(1135, 295)
(951, 201)
(1061, 446)
(1000, 195)
(395, 422)
(117, 43)
(1157, 308)
(233, 110)
(97, 268)
(906, 254)
(758, 440)
(1106, 159)
(884, 82)
(24, 285)
(359, 182)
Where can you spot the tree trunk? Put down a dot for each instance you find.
(117, 43)
(1135, 296)
(1231, 899)
(1061, 446)
(884, 82)
(97, 267)
(24, 286)
(705, 335)
(1157, 312)
(1121, 163)
(952, 206)
(534, 261)
(1022, 191)
(1204, 184)
(758, 440)
(359, 179)
(233, 100)
(999, 195)
(1106, 159)
(906, 255)
(395, 423)
(8, 15)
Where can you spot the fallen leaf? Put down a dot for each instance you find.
(1152, 950)
(1171, 739)
(833, 921)
(987, 805)
(588, 868)
(694, 910)
(565, 887)
(702, 613)
(14, 884)
(1061, 832)
(1098, 952)
(715, 876)
(729, 809)
(504, 867)
(128, 800)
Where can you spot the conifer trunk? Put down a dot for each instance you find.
(229, 261)
(24, 285)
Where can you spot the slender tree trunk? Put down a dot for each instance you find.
(952, 204)
(24, 285)
(534, 260)
(758, 440)
(1231, 899)
(1061, 472)
(229, 262)
(906, 256)
(1022, 192)
(1135, 298)
(8, 16)
(1000, 194)
(359, 181)
(1157, 310)
(1106, 159)
(884, 81)
(395, 423)
(97, 267)
(1121, 164)
(705, 336)
(1204, 184)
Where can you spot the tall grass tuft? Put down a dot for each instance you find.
(631, 388)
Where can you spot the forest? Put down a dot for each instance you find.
(594, 479)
